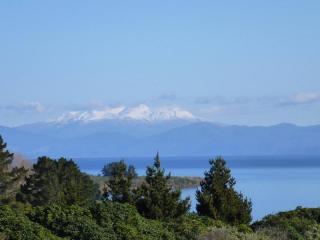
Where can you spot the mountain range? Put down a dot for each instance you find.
(141, 131)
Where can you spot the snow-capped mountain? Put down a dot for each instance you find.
(140, 113)
(142, 130)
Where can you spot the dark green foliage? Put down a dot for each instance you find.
(189, 226)
(108, 170)
(297, 223)
(218, 199)
(102, 221)
(16, 226)
(118, 186)
(132, 171)
(10, 177)
(127, 223)
(156, 199)
(72, 222)
(57, 181)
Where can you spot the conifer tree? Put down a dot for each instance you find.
(57, 181)
(108, 169)
(156, 199)
(218, 199)
(118, 187)
(10, 176)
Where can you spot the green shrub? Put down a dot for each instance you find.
(72, 222)
(127, 222)
(16, 226)
(189, 226)
(296, 223)
(313, 232)
(273, 233)
(243, 228)
(232, 233)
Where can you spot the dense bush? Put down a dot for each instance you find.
(233, 233)
(73, 222)
(102, 221)
(313, 232)
(189, 226)
(127, 222)
(16, 226)
(118, 221)
(298, 223)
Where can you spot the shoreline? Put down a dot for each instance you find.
(177, 182)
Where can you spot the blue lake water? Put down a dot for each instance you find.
(272, 183)
(272, 189)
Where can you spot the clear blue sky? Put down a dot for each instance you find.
(242, 62)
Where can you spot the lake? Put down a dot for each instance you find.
(273, 183)
(271, 189)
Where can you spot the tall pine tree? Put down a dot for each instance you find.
(156, 199)
(10, 177)
(218, 199)
(118, 186)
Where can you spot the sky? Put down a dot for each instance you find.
(235, 62)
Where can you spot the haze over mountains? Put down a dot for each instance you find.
(141, 131)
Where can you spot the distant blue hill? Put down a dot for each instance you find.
(123, 138)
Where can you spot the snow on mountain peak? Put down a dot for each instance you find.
(140, 113)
